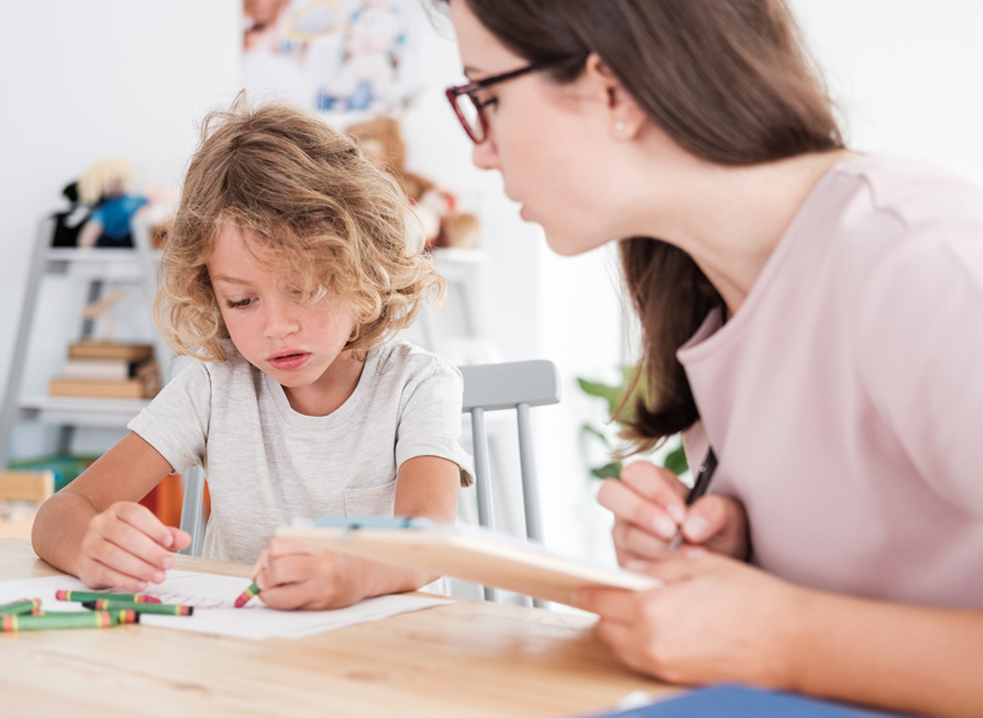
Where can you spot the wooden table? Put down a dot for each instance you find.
(468, 659)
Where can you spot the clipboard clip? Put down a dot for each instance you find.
(353, 523)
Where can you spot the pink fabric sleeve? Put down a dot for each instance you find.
(920, 340)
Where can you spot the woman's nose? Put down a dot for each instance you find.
(485, 155)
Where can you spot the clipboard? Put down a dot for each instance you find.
(468, 553)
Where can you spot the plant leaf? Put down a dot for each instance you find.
(608, 471)
(676, 461)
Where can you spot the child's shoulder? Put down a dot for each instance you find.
(233, 368)
(409, 361)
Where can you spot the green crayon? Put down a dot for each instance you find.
(13, 623)
(98, 596)
(25, 605)
(164, 609)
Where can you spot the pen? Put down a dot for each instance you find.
(700, 485)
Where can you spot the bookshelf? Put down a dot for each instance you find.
(95, 268)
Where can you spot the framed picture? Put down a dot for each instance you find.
(335, 56)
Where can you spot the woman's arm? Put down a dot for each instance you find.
(721, 620)
(291, 574)
(94, 529)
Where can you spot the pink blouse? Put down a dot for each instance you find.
(844, 399)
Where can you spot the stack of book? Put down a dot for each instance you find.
(108, 370)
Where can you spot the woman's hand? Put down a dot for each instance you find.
(127, 547)
(649, 504)
(291, 574)
(716, 619)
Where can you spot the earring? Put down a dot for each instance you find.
(619, 126)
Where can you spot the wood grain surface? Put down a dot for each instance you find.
(468, 659)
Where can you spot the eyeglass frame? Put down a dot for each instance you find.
(471, 90)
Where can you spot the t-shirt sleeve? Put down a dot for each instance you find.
(430, 422)
(176, 422)
(920, 339)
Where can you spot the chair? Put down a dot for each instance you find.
(192, 510)
(505, 386)
(487, 387)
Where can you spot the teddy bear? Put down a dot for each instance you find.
(435, 208)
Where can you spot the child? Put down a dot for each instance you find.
(286, 273)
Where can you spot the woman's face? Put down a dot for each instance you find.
(549, 141)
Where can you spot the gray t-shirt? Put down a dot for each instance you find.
(266, 464)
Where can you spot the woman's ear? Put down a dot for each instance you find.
(626, 118)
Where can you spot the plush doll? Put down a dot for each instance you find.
(435, 208)
(106, 186)
(69, 223)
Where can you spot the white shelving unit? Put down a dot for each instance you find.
(95, 267)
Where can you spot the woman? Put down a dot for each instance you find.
(811, 314)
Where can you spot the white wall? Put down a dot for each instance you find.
(906, 74)
(83, 80)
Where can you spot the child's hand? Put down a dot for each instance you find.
(127, 547)
(291, 574)
(649, 503)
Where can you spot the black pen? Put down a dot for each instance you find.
(700, 485)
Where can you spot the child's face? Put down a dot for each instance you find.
(299, 346)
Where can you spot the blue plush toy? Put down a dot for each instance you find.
(106, 186)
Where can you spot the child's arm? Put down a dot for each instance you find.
(294, 575)
(94, 529)
(720, 620)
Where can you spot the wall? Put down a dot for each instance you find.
(80, 81)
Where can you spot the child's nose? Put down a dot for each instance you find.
(280, 318)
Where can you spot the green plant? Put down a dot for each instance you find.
(675, 460)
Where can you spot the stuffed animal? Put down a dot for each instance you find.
(435, 208)
(69, 223)
(106, 186)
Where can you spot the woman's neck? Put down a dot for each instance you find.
(729, 219)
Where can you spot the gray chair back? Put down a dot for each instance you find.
(517, 386)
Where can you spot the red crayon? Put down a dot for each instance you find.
(247, 594)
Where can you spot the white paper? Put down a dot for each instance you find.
(214, 598)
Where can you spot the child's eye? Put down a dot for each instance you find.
(239, 304)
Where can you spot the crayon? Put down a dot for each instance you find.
(25, 605)
(96, 596)
(247, 594)
(51, 620)
(164, 609)
(125, 615)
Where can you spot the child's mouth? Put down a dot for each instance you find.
(289, 360)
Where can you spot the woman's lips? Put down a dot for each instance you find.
(285, 361)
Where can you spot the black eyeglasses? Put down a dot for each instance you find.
(470, 110)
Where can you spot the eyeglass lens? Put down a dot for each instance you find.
(468, 111)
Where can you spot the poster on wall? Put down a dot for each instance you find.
(334, 56)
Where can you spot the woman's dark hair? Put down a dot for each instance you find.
(729, 82)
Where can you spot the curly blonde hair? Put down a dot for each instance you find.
(302, 192)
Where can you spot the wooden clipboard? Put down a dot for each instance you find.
(473, 555)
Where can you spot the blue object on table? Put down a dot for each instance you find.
(374, 522)
(730, 701)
